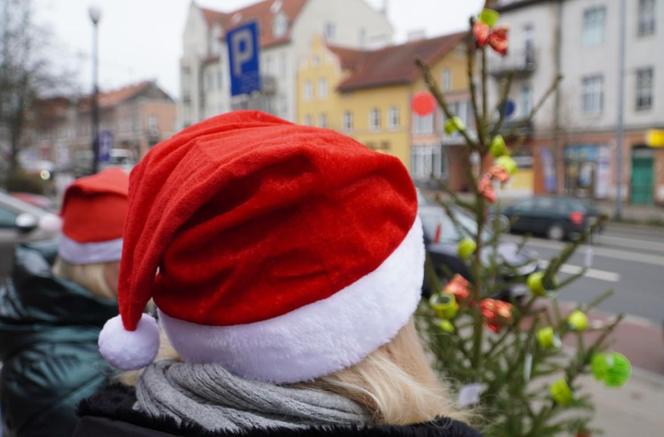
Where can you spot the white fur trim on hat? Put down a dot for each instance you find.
(317, 339)
(89, 253)
(129, 350)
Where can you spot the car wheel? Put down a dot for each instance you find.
(556, 232)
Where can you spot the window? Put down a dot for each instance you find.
(393, 118)
(529, 44)
(461, 109)
(330, 31)
(322, 88)
(308, 120)
(644, 88)
(268, 64)
(423, 124)
(283, 65)
(7, 218)
(427, 163)
(447, 80)
(315, 61)
(279, 25)
(152, 123)
(526, 100)
(647, 17)
(322, 120)
(594, 24)
(374, 119)
(592, 94)
(348, 121)
(308, 90)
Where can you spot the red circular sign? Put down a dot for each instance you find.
(423, 103)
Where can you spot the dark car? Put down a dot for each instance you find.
(557, 218)
(442, 237)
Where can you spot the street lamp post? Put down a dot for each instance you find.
(95, 16)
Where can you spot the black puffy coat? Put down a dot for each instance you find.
(109, 413)
(48, 347)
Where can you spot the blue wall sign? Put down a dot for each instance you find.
(244, 55)
(105, 144)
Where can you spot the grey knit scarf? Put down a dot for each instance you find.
(211, 397)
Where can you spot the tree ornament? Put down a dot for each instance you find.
(446, 326)
(536, 284)
(458, 287)
(613, 368)
(498, 147)
(489, 17)
(453, 125)
(578, 321)
(496, 313)
(498, 40)
(485, 188)
(546, 337)
(445, 305)
(561, 393)
(466, 248)
(508, 164)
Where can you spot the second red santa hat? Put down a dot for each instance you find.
(282, 252)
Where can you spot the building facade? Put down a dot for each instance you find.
(573, 141)
(287, 28)
(367, 94)
(132, 118)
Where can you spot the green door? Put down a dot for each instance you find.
(642, 177)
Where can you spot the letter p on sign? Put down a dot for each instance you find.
(244, 55)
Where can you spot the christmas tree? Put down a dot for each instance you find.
(517, 361)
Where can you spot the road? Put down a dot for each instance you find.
(629, 260)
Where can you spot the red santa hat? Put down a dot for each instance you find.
(282, 252)
(93, 213)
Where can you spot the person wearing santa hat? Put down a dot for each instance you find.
(286, 263)
(50, 317)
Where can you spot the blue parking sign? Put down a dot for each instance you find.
(243, 55)
(105, 144)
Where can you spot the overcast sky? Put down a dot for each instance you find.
(140, 39)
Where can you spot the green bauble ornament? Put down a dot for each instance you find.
(466, 248)
(445, 305)
(498, 147)
(446, 326)
(536, 284)
(453, 125)
(508, 164)
(546, 338)
(578, 321)
(561, 393)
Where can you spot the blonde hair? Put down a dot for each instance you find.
(90, 276)
(395, 383)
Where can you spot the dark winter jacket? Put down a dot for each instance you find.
(110, 414)
(48, 347)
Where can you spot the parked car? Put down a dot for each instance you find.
(557, 218)
(21, 222)
(441, 237)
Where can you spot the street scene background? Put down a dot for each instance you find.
(108, 80)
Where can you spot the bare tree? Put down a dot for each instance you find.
(26, 73)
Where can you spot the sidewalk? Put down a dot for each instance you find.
(633, 410)
(635, 213)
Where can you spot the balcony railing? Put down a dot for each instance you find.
(523, 62)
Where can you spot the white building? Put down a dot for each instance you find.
(573, 139)
(287, 28)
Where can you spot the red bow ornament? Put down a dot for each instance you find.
(496, 313)
(485, 188)
(495, 37)
(458, 287)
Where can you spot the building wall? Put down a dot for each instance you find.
(350, 18)
(580, 60)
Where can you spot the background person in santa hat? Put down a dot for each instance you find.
(50, 317)
(286, 263)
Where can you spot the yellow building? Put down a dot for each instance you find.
(367, 94)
